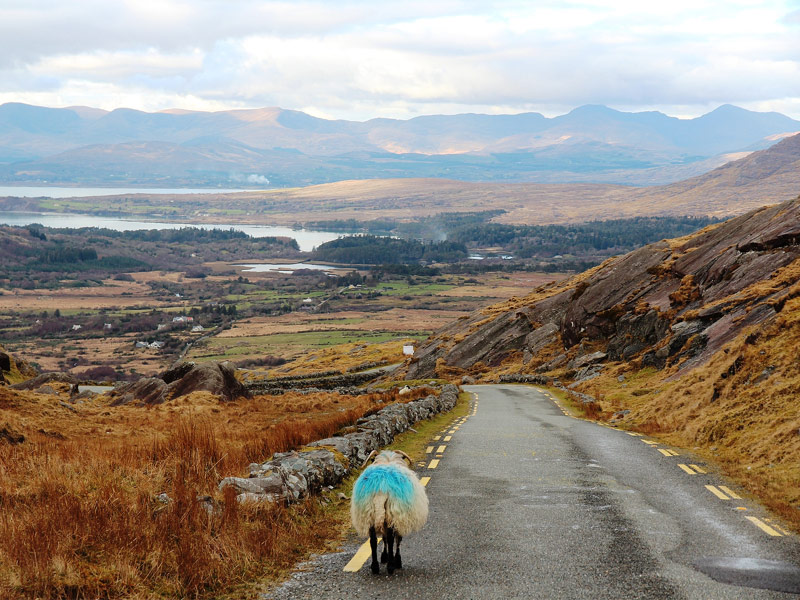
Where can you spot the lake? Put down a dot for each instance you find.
(306, 239)
(266, 267)
(21, 191)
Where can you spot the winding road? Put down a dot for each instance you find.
(528, 502)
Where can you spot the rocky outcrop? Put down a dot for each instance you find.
(291, 476)
(673, 303)
(45, 379)
(317, 382)
(185, 378)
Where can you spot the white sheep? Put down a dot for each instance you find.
(388, 500)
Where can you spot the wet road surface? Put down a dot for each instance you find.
(526, 502)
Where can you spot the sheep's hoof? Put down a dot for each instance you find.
(390, 568)
(384, 556)
(398, 564)
(376, 568)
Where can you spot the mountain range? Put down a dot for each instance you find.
(282, 148)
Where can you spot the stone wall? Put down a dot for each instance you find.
(291, 476)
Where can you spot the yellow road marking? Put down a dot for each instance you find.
(664, 452)
(650, 442)
(429, 449)
(436, 438)
(673, 453)
(699, 469)
(440, 449)
(359, 558)
(633, 433)
(434, 463)
(719, 494)
(447, 438)
(730, 492)
(740, 508)
(687, 469)
(764, 527)
(779, 528)
(452, 432)
(424, 480)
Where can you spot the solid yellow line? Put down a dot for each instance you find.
(717, 492)
(424, 480)
(730, 492)
(698, 469)
(434, 463)
(664, 452)
(429, 449)
(359, 558)
(447, 438)
(687, 469)
(763, 526)
(440, 449)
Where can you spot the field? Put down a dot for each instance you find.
(101, 501)
(243, 316)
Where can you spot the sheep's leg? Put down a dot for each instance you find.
(385, 553)
(398, 562)
(389, 537)
(373, 544)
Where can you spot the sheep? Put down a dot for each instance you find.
(388, 500)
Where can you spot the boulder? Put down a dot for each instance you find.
(45, 378)
(5, 361)
(217, 378)
(587, 359)
(148, 390)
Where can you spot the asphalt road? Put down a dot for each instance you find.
(526, 502)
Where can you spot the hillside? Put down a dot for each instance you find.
(694, 339)
(289, 148)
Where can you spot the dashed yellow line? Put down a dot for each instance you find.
(436, 438)
(649, 442)
(424, 480)
(699, 469)
(440, 449)
(429, 449)
(764, 527)
(687, 469)
(447, 438)
(359, 558)
(664, 452)
(717, 492)
(730, 492)
(434, 463)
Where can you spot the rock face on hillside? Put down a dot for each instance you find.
(670, 303)
(185, 378)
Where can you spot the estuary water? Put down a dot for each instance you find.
(25, 191)
(306, 239)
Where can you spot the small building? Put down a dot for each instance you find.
(107, 326)
(408, 350)
(182, 319)
(157, 345)
(307, 301)
(141, 345)
(76, 327)
(197, 328)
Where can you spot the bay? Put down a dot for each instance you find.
(23, 191)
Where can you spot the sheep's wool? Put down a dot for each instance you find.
(388, 495)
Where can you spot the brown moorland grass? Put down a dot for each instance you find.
(80, 512)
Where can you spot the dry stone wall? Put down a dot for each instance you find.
(291, 476)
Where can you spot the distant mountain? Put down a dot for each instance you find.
(589, 144)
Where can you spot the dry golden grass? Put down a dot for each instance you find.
(80, 514)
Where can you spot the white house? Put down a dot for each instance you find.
(408, 350)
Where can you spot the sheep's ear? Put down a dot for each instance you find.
(406, 456)
(369, 458)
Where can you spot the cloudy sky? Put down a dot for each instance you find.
(358, 59)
